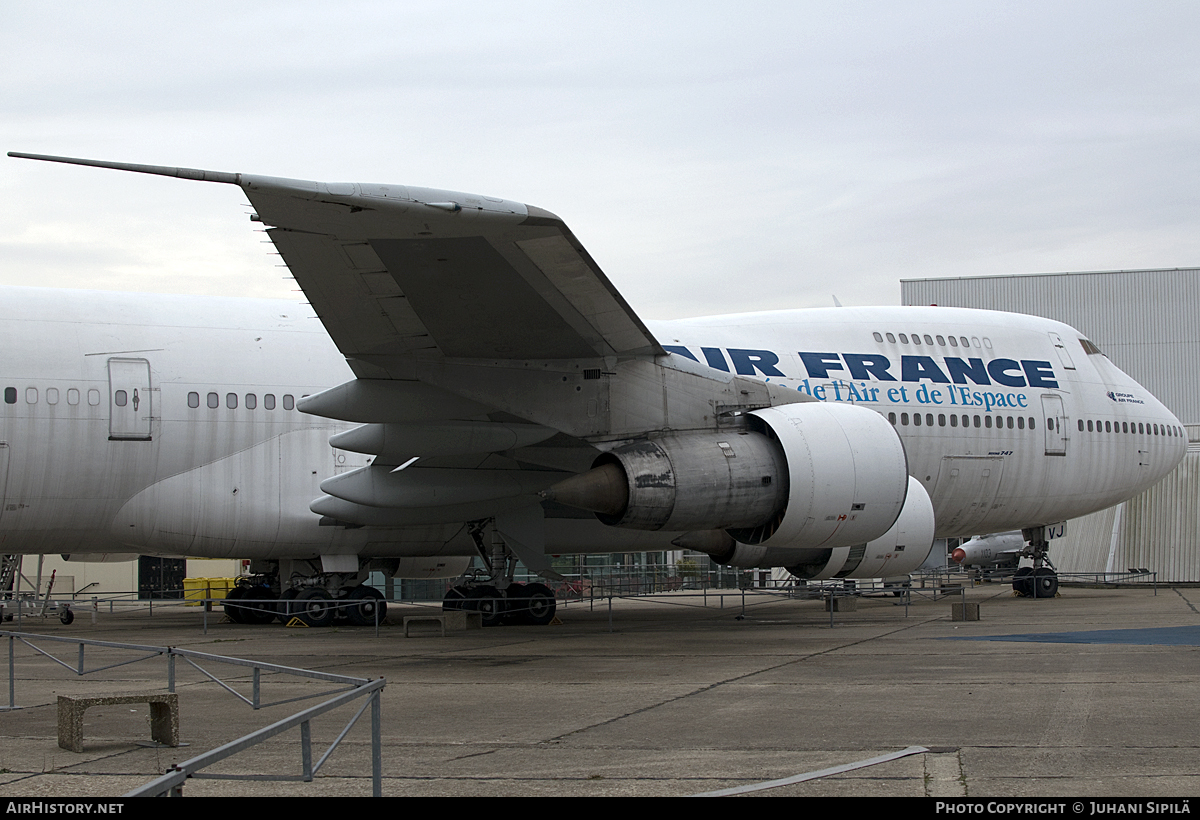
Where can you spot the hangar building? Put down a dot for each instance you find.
(1148, 323)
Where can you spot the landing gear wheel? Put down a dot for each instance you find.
(367, 601)
(516, 604)
(286, 607)
(1022, 581)
(454, 598)
(1044, 583)
(314, 607)
(539, 603)
(488, 602)
(262, 611)
(67, 617)
(236, 612)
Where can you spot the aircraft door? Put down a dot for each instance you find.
(1055, 424)
(129, 400)
(965, 491)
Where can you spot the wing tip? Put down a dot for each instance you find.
(158, 170)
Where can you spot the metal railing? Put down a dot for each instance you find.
(171, 783)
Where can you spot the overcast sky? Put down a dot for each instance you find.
(711, 159)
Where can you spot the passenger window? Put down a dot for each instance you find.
(269, 401)
(214, 401)
(231, 401)
(193, 399)
(903, 339)
(966, 421)
(1108, 426)
(1124, 427)
(51, 395)
(916, 419)
(916, 338)
(891, 338)
(93, 397)
(10, 395)
(963, 339)
(940, 340)
(987, 342)
(941, 419)
(1089, 425)
(1010, 422)
(929, 419)
(987, 422)
(953, 342)
(878, 336)
(977, 421)
(251, 401)
(288, 401)
(928, 339)
(974, 341)
(1020, 422)
(892, 418)
(904, 419)
(1032, 423)
(1081, 425)
(954, 421)
(121, 398)
(72, 397)
(31, 395)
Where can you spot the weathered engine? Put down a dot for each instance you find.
(797, 481)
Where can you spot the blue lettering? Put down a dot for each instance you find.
(745, 362)
(960, 371)
(1040, 374)
(864, 366)
(998, 369)
(680, 350)
(915, 368)
(819, 364)
(715, 358)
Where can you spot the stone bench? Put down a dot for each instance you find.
(164, 716)
(454, 620)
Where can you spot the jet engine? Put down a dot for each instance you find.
(798, 476)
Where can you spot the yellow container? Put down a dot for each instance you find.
(195, 590)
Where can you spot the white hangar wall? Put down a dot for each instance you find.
(1148, 323)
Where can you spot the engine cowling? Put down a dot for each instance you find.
(899, 551)
(801, 476)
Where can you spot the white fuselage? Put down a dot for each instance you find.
(167, 425)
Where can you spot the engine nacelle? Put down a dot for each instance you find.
(847, 477)
(802, 476)
(899, 551)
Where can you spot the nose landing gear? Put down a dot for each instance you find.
(1040, 580)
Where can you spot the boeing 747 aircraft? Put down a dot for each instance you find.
(480, 388)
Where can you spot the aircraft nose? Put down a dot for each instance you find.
(958, 555)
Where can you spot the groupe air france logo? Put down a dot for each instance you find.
(1123, 398)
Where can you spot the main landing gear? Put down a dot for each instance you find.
(318, 600)
(1041, 579)
(493, 594)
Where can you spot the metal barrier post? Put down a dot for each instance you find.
(170, 671)
(12, 680)
(376, 747)
(306, 751)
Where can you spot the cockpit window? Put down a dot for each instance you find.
(1090, 348)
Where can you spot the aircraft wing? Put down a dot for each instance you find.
(395, 272)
